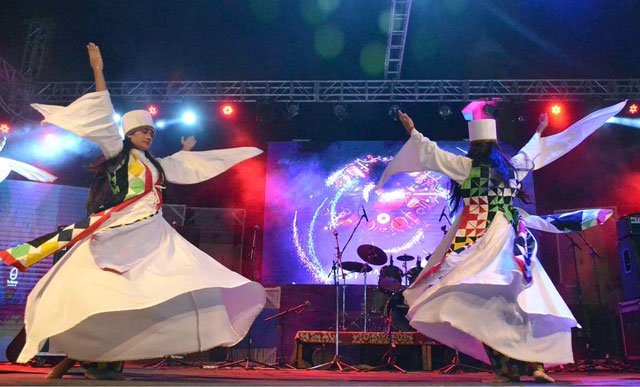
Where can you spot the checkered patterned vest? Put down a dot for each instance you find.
(484, 195)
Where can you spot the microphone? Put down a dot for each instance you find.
(335, 232)
(364, 213)
(307, 303)
(256, 227)
(442, 214)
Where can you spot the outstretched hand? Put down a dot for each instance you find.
(544, 122)
(407, 122)
(188, 143)
(95, 58)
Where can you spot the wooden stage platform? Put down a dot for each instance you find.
(14, 375)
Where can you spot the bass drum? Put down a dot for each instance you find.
(390, 278)
(397, 309)
(379, 299)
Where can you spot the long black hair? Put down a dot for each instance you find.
(488, 153)
(109, 185)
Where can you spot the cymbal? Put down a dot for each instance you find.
(372, 254)
(356, 267)
(405, 258)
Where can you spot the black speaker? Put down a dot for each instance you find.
(630, 327)
(629, 254)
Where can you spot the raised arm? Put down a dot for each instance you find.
(524, 161)
(91, 115)
(420, 153)
(541, 151)
(95, 59)
(188, 143)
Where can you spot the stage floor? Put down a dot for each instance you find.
(13, 375)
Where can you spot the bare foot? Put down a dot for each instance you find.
(60, 369)
(541, 377)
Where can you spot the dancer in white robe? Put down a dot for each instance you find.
(130, 287)
(483, 285)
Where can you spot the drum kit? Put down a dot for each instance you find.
(387, 300)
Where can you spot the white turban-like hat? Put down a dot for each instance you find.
(135, 119)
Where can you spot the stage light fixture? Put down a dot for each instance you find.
(393, 112)
(340, 111)
(189, 118)
(490, 110)
(5, 128)
(444, 111)
(227, 109)
(293, 109)
(633, 109)
(556, 109)
(152, 110)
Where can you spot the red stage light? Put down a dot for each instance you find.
(227, 109)
(556, 109)
(633, 108)
(152, 110)
(4, 128)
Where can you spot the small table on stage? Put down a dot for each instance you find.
(366, 338)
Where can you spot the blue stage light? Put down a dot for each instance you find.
(631, 122)
(189, 118)
(160, 124)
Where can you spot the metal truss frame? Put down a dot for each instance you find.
(398, 26)
(345, 91)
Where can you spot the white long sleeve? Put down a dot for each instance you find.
(420, 153)
(90, 117)
(194, 167)
(555, 146)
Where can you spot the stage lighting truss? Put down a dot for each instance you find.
(349, 91)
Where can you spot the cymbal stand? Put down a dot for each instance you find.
(455, 364)
(365, 302)
(336, 362)
(390, 355)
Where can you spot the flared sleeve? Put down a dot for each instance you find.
(420, 154)
(195, 167)
(90, 117)
(555, 146)
(567, 222)
(24, 169)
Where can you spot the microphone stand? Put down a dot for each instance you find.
(594, 254)
(247, 360)
(336, 362)
(590, 363)
(298, 309)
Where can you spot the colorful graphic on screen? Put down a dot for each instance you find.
(312, 194)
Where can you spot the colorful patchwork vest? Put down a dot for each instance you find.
(485, 195)
(140, 184)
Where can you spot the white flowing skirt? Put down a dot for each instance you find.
(479, 296)
(171, 298)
